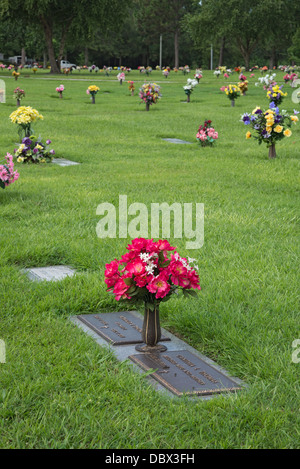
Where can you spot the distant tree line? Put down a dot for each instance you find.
(114, 33)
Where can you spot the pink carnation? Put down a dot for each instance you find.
(149, 269)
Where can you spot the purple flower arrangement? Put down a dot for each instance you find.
(33, 150)
(269, 126)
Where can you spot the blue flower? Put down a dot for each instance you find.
(245, 118)
(27, 141)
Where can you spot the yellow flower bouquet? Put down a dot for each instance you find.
(243, 87)
(24, 116)
(269, 126)
(232, 92)
(92, 90)
(15, 74)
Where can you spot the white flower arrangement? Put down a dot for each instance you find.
(266, 81)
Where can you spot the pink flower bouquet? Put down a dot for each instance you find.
(150, 272)
(206, 134)
(60, 90)
(121, 77)
(7, 173)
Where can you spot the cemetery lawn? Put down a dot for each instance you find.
(58, 389)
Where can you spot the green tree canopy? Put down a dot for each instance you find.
(64, 18)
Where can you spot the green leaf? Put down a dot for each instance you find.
(128, 281)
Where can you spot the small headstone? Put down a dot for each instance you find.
(50, 274)
(177, 141)
(64, 162)
(2, 91)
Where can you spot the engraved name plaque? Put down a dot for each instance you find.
(182, 372)
(121, 328)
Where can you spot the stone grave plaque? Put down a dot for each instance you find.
(64, 162)
(183, 372)
(120, 328)
(50, 273)
(177, 140)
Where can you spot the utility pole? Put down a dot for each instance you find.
(160, 51)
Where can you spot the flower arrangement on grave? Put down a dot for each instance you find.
(149, 94)
(226, 75)
(15, 74)
(217, 73)
(149, 273)
(121, 77)
(186, 70)
(206, 134)
(19, 94)
(263, 69)
(24, 116)
(269, 126)
(131, 87)
(92, 91)
(275, 94)
(8, 175)
(237, 69)
(198, 75)
(293, 78)
(232, 92)
(242, 77)
(189, 88)
(33, 150)
(266, 81)
(34, 69)
(243, 87)
(60, 90)
(166, 72)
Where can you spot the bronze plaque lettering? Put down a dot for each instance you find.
(182, 372)
(121, 328)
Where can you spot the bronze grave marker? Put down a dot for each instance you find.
(182, 372)
(121, 328)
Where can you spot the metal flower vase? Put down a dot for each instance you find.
(151, 331)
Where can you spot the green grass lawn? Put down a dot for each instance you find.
(58, 389)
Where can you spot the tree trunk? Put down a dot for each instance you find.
(273, 58)
(86, 56)
(176, 48)
(63, 40)
(23, 56)
(45, 59)
(221, 55)
(48, 30)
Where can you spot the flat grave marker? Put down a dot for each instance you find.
(64, 162)
(50, 273)
(182, 372)
(120, 328)
(177, 141)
